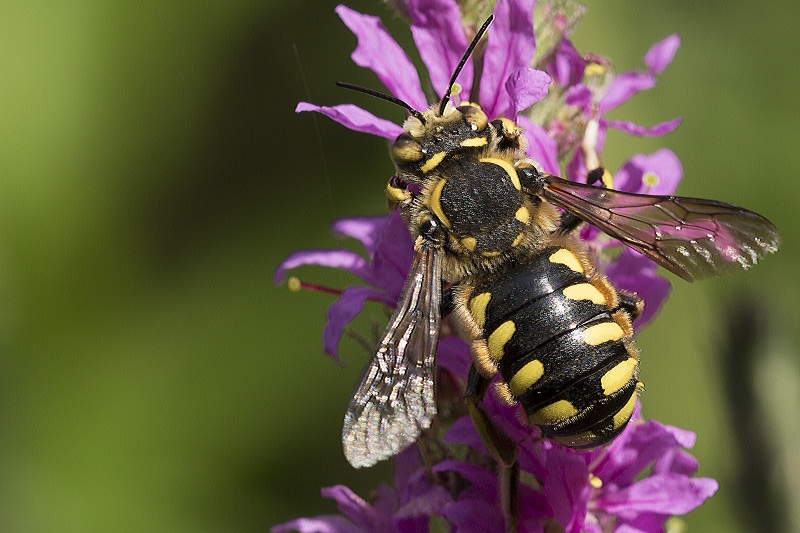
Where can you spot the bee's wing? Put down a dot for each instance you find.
(690, 237)
(395, 398)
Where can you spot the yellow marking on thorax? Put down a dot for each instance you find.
(475, 141)
(518, 239)
(603, 332)
(565, 257)
(624, 414)
(433, 162)
(434, 202)
(523, 215)
(619, 376)
(499, 337)
(491, 254)
(505, 165)
(584, 291)
(526, 377)
(477, 306)
(469, 243)
(553, 414)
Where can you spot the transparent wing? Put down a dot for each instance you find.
(690, 237)
(395, 398)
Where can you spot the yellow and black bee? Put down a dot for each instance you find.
(522, 287)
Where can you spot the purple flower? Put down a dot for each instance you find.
(636, 483)
(406, 508)
(590, 90)
(389, 248)
(509, 84)
(640, 480)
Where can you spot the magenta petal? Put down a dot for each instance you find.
(439, 36)
(525, 87)
(667, 494)
(408, 468)
(647, 523)
(663, 165)
(677, 462)
(474, 516)
(639, 447)
(356, 119)
(541, 147)
(683, 437)
(320, 524)
(392, 255)
(567, 487)
(579, 96)
(463, 432)
(454, 356)
(661, 54)
(640, 131)
(383, 502)
(380, 53)
(351, 506)
(343, 259)
(343, 311)
(481, 479)
(430, 503)
(510, 47)
(568, 66)
(362, 228)
(624, 87)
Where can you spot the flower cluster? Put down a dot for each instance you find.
(644, 476)
(593, 492)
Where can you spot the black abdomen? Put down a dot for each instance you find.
(562, 345)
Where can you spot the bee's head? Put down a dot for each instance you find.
(425, 137)
(430, 136)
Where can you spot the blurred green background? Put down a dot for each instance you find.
(153, 174)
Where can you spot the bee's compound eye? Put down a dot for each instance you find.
(474, 116)
(406, 149)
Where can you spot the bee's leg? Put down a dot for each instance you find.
(597, 173)
(630, 303)
(599, 176)
(567, 223)
(397, 194)
(498, 444)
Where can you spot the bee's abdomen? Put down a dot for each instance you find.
(561, 344)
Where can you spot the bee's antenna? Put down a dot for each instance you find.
(383, 96)
(470, 48)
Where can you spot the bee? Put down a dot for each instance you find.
(500, 233)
